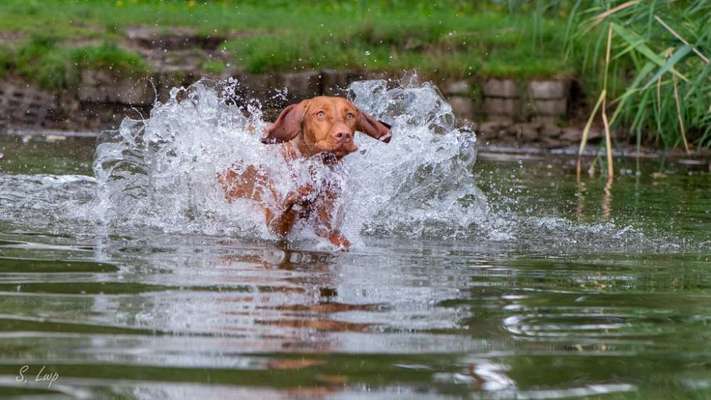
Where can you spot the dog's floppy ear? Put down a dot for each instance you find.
(287, 126)
(372, 127)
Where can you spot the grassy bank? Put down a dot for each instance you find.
(46, 61)
(656, 84)
(448, 38)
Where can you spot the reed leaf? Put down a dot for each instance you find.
(679, 54)
(638, 44)
(633, 89)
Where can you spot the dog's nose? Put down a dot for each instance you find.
(344, 136)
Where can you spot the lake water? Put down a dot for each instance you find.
(486, 279)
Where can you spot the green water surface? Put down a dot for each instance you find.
(604, 292)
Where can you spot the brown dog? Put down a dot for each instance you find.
(319, 127)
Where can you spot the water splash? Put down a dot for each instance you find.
(161, 172)
(48, 202)
(160, 175)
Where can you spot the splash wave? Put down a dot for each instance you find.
(161, 171)
(159, 175)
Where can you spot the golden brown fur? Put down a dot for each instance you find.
(318, 127)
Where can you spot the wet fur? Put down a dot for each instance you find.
(321, 127)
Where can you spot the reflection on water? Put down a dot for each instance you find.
(605, 202)
(216, 317)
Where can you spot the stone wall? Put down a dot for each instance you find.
(501, 110)
(531, 112)
(24, 105)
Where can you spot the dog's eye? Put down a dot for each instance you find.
(320, 115)
(350, 116)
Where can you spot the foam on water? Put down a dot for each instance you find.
(161, 171)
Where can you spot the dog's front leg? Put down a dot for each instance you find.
(325, 221)
(282, 219)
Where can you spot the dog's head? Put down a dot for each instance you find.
(325, 125)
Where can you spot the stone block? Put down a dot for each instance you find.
(463, 107)
(458, 88)
(103, 87)
(571, 135)
(500, 88)
(500, 106)
(556, 107)
(334, 82)
(550, 130)
(375, 75)
(545, 119)
(492, 127)
(302, 85)
(527, 132)
(551, 143)
(172, 38)
(575, 134)
(501, 118)
(259, 85)
(23, 105)
(548, 89)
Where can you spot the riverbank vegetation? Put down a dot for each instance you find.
(450, 38)
(658, 76)
(53, 66)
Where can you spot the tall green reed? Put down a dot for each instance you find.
(660, 75)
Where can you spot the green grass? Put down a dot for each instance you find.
(42, 59)
(110, 57)
(214, 67)
(486, 44)
(451, 38)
